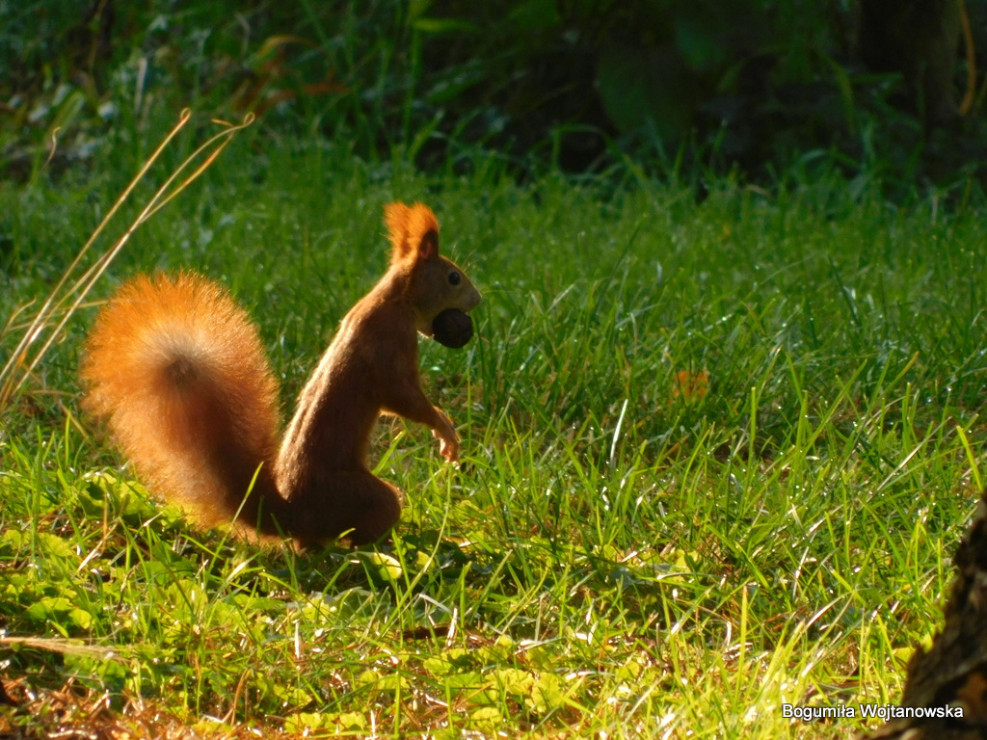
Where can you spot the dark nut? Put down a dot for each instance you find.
(452, 328)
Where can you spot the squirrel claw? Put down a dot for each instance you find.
(448, 448)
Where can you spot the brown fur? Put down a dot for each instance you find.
(178, 371)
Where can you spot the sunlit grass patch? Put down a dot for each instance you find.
(715, 460)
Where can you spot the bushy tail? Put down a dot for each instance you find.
(179, 373)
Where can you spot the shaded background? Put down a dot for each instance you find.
(756, 87)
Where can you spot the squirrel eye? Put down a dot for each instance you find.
(454, 278)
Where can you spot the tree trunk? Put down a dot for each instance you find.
(953, 673)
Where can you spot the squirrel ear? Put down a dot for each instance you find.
(413, 230)
(428, 245)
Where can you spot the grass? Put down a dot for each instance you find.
(717, 457)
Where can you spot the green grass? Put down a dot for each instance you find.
(615, 557)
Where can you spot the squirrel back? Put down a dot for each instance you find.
(178, 372)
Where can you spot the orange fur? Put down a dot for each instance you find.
(179, 374)
(407, 227)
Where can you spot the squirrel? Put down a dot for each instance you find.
(178, 372)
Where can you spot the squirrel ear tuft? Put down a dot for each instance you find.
(413, 231)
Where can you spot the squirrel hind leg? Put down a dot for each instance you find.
(353, 506)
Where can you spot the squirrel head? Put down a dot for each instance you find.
(435, 284)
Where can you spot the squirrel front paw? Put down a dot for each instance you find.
(448, 439)
(449, 450)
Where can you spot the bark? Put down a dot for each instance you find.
(953, 672)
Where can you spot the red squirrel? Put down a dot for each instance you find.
(178, 372)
